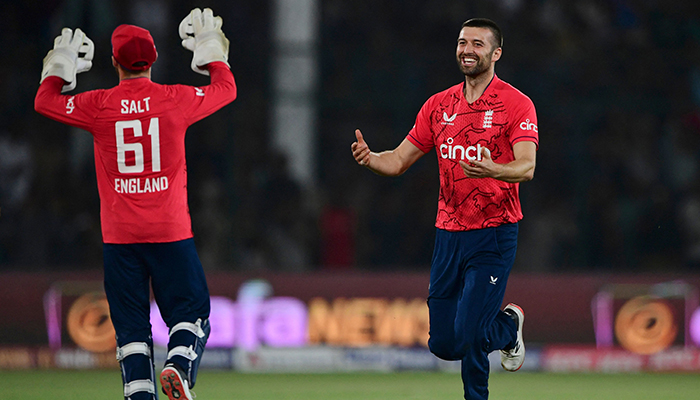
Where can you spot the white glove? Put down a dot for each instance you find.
(201, 33)
(64, 60)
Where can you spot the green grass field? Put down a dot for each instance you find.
(226, 385)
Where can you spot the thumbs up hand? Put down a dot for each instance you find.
(360, 150)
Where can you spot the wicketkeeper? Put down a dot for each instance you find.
(139, 137)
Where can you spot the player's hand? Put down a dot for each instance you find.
(201, 33)
(360, 150)
(65, 60)
(485, 168)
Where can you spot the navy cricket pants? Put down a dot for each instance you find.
(468, 279)
(172, 270)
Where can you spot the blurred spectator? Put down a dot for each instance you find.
(16, 173)
(16, 170)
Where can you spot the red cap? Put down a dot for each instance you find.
(133, 47)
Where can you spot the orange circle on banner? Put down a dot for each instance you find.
(645, 325)
(89, 324)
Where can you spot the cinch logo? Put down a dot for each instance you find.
(488, 119)
(528, 126)
(199, 92)
(448, 120)
(458, 152)
(70, 105)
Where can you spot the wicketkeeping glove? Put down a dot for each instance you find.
(201, 33)
(65, 61)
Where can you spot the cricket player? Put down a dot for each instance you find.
(484, 132)
(139, 129)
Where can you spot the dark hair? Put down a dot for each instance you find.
(486, 23)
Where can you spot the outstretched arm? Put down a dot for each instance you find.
(387, 163)
(64, 60)
(521, 169)
(201, 34)
(72, 54)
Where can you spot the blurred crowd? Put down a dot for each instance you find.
(616, 84)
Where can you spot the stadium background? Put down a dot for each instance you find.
(615, 199)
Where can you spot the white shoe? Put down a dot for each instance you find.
(174, 385)
(512, 360)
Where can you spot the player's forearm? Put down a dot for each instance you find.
(222, 76)
(48, 95)
(386, 163)
(517, 171)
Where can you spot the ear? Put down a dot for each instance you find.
(497, 54)
(114, 62)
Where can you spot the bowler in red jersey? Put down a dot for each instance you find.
(485, 135)
(138, 128)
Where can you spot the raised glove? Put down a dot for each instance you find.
(65, 61)
(201, 33)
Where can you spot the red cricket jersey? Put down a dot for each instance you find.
(501, 117)
(139, 139)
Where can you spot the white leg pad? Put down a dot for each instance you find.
(141, 385)
(195, 328)
(133, 348)
(187, 352)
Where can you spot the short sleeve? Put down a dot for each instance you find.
(421, 135)
(524, 122)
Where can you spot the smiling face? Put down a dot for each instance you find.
(476, 51)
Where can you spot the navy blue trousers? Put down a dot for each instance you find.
(174, 273)
(468, 279)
